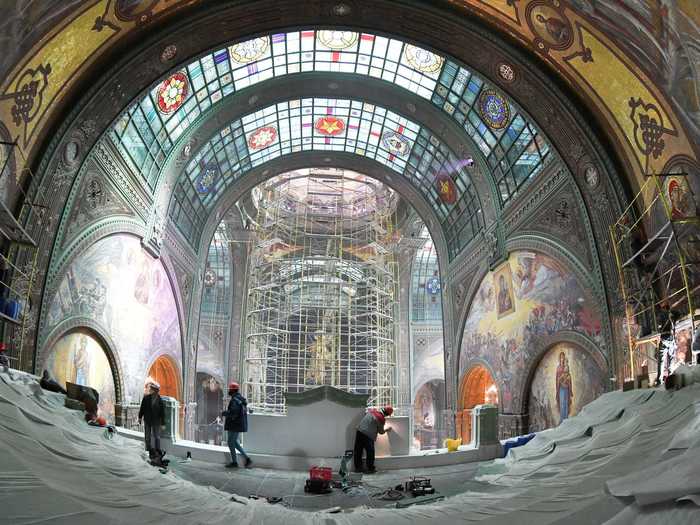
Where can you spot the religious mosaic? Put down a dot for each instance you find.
(79, 358)
(127, 292)
(528, 298)
(566, 379)
(679, 197)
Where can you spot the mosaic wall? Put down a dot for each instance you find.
(127, 292)
(527, 298)
(664, 36)
(566, 379)
(79, 358)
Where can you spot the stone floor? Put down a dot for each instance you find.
(289, 485)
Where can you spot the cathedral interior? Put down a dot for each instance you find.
(484, 214)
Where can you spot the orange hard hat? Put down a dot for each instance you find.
(388, 410)
(234, 386)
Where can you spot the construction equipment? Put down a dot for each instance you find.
(419, 486)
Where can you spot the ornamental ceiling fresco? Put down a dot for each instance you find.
(647, 119)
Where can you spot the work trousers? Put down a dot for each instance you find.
(363, 443)
(234, 444)
(151, 436)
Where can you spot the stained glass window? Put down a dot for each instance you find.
(514, 149)
(426, 288)
(350, 126)
(148, 130)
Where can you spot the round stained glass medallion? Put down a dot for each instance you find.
(172, 92)
(337, 39)
(446, 189)
(206, 178)
(494, 109)
(422, 59)
(250, 50)
(432, 286)
(262, 137)
(396, 143)
(331, 126)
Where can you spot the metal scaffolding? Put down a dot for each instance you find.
(656, 243)
(321, 289)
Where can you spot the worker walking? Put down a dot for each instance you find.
(371, 425)
(152, 412)
(236, 422)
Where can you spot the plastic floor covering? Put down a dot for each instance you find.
(627, 458)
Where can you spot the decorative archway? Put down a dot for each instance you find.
(209, 395)
(427, 427)
(165, 371)
(476, 388)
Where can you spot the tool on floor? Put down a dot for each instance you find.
(419, 486)
(344, 460)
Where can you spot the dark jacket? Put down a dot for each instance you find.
(236, 414)
(153, 416)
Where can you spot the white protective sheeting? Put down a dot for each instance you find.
(609, 464)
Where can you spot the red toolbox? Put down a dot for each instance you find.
(324, 473)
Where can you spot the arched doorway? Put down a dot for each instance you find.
(477, 387)
(166, 373)
(427, 426)
(210, 396)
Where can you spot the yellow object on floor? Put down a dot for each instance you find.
(452, 444)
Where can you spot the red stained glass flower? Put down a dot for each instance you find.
(172, 92)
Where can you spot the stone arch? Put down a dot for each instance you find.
(209, 395)
(476, 387)
(75, 324)
(427, 430)
(168, 374)
(88, 327)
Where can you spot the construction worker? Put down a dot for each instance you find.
(152, 412)
(371, 425)
(236, 422)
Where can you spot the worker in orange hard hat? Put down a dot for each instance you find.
(236, 422)
(371, 425)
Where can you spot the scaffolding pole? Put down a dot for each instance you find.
(322, 290)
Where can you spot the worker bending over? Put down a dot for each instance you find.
(371, 425)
